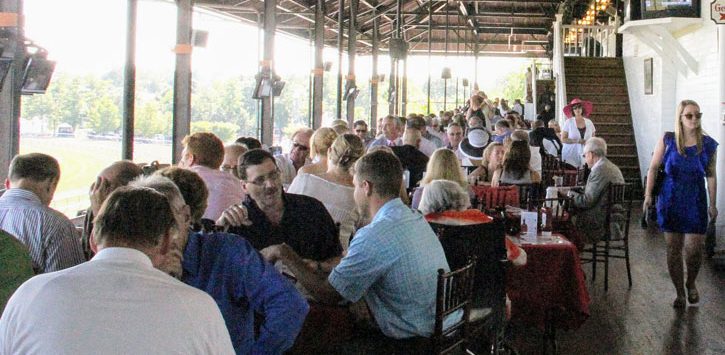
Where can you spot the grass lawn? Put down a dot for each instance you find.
(81, 160)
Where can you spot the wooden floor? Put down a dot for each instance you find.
(641, 320)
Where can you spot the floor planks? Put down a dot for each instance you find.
(641, 320)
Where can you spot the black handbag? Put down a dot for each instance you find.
(660, 177)
(659, 180)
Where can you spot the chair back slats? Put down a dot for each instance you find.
(527, 193)
(454, 292)
(619, 200)
(491, 198)
(550, 162)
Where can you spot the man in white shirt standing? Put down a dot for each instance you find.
(203, 154)
(118, 302)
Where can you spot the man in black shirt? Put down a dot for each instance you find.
(269, 216)
(410, 157)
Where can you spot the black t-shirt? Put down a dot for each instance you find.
(306, 227)
(412, 159)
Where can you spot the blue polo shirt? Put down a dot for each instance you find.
(229, 269)
(393, 262)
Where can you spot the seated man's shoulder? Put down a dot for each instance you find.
(303, 201)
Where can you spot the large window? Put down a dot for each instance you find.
(77, 120)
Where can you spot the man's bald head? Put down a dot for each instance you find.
(121, 172)
(232, 152)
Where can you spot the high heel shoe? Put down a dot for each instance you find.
(679, 303)
(692, 295)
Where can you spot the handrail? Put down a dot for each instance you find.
(558, 67)
(589, 41)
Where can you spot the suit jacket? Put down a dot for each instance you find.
(591, 205)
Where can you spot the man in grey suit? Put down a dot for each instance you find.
(591, 205)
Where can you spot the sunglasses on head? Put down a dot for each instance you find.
(689, 116)
(300, 146)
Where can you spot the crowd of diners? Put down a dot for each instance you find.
(237, 250)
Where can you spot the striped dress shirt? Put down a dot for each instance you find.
(48, 234)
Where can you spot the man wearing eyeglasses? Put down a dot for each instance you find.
(297, 157)
(270, 216)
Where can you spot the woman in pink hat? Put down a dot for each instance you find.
(577, 129)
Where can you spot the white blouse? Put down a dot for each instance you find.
(338, 200)
(572, 152)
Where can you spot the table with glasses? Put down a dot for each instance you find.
(549, 292)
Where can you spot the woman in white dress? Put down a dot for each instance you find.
(334, 187)
(575, 132)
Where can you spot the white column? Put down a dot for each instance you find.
(721, 129)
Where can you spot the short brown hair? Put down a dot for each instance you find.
(34, 166)
(207, 148)
(383, 170)
(134, 217)
(192, 188)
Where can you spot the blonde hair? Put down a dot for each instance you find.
(346, 150)
(321, 141)
(443, 165)
(679, 134)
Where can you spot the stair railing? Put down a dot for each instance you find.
(589, 41)
(558, 68)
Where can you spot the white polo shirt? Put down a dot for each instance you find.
(117, 303)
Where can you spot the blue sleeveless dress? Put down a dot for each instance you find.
(682, 203)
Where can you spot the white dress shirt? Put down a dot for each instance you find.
(117, 303)
(224, 190)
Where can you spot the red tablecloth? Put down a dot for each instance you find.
(550, 284)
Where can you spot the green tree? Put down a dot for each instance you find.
(151, 120)
(226, 131)
(104, 116)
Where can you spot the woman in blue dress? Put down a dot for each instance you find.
(683, 205)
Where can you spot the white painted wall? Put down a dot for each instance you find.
(654, 114)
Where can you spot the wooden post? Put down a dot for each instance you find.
(267, 70)
(129, 82)
(351, 44)
(341, 29)
(319, 69)
(181, 121)
(375, 79)
(10, 91)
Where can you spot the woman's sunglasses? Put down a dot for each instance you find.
(689, 116)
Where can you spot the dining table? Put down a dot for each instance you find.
(548, 292)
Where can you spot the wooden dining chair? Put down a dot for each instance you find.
(486, 243)
(454, 293)
(528, 193)
(492, 198)
(613, 245)
(550, 162)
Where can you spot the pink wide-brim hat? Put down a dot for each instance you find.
(586, 105)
